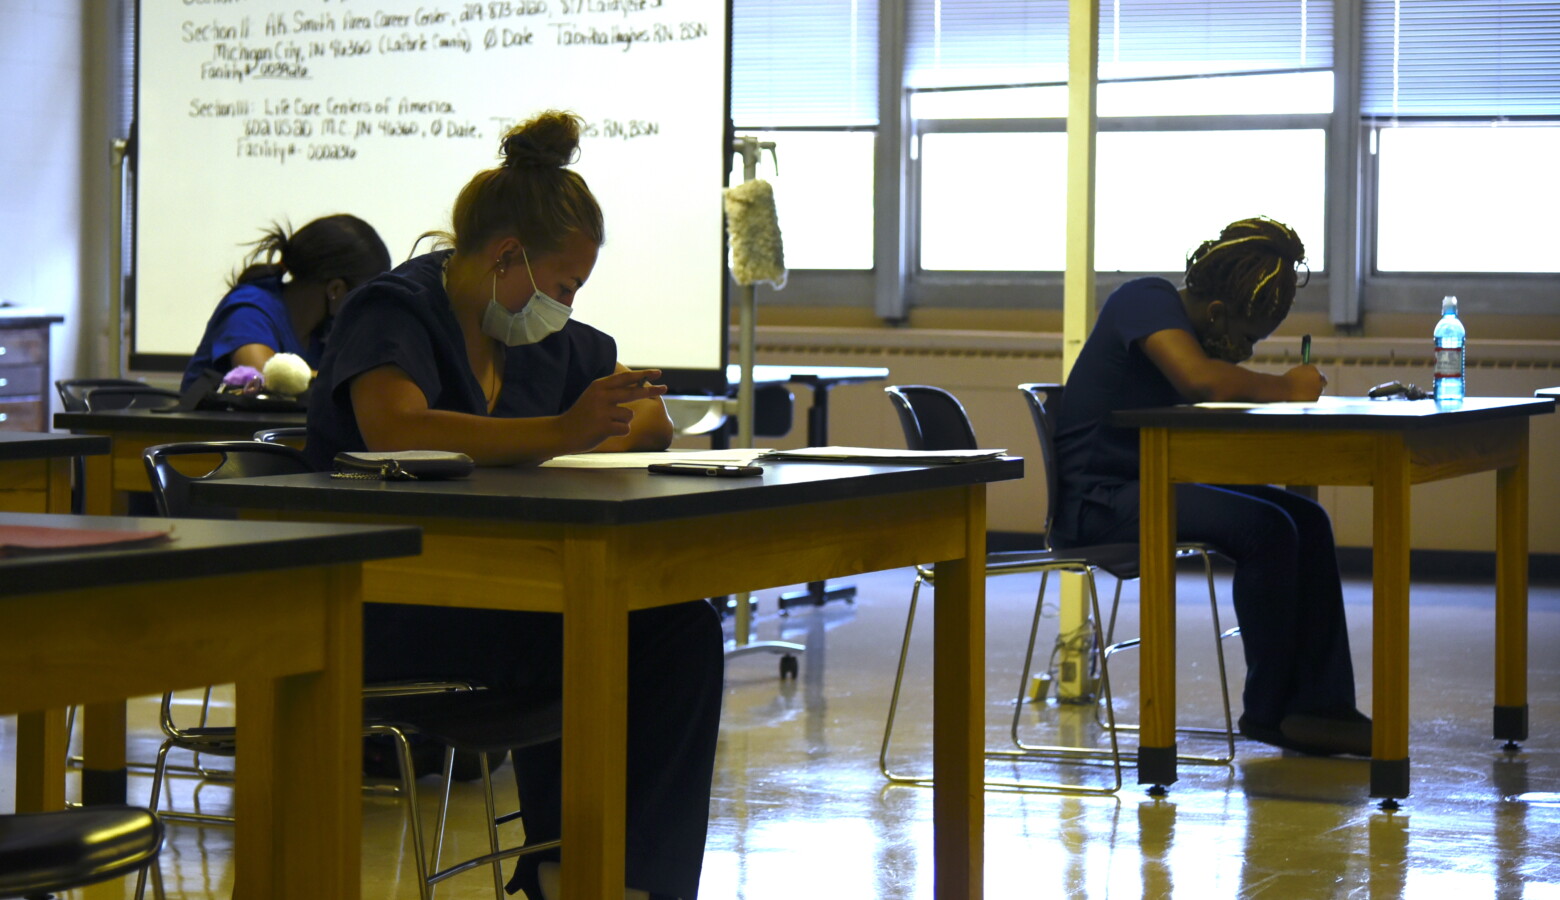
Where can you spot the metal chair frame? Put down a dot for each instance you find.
(1039, 397)
(933, 419)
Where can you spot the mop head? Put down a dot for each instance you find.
(756, 254)
(287, 373)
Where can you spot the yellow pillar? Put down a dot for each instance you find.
(1078, 302)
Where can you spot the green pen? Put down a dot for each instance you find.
(1305, 350)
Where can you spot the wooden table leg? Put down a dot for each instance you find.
(59, 485)
(40, 761)
(298, 797)
(1511, 598)
(595, 717)
(958, 714)
(1389, 740)
(103, 775)
(1156, 603)
(99, 486)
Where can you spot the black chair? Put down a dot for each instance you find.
(73, 398)
(1042, 400)
(933, 419)
(55, 851)
(281, 435)
(73, 391)
(139, 396)
(465, 718)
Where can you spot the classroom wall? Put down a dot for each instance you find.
(59, 69)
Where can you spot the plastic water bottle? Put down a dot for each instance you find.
(1450, 337)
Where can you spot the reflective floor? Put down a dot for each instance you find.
(801, 810)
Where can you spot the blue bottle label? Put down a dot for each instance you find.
(1448, 362)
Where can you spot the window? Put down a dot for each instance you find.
(1463, 101)
(1239, 93)
(997, 201)
(805, 75)
(1468, 199)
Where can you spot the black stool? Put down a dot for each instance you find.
(56, 851)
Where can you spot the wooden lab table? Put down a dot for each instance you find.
(1389, 445)
(275, 607)
(595, 544)
(110, 478)
(35, 468)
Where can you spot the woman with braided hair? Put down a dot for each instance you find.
(1156, 345)
(472, 349)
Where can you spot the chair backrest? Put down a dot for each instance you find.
(1042, 399)
(73, 391)
(281, 435)
(932, 418)
(239, 459)
(136, 396)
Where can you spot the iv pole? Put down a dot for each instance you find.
(752, 149)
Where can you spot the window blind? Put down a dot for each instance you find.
(1460, 58)
(804, 63)
(971, 43)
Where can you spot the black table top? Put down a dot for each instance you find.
(42, 445)
(218, 423)
(1340, 413)
(198, 548)
(595, 496)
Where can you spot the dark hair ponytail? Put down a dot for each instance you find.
(1251, 267)
(340, 246)
(533, 195)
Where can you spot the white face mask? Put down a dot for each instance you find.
(540, 317)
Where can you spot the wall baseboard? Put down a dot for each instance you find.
(1452, 565)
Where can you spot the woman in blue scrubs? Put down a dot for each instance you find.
(283, 300)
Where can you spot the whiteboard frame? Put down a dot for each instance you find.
(680, 380)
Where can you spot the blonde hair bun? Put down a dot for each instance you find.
(550, 140)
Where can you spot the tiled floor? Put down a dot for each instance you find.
(800, 809)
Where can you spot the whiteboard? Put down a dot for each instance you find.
(250, 112)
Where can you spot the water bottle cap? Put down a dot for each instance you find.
(1448, 304)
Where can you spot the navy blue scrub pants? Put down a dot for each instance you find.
(676, 671)
(1288, 597)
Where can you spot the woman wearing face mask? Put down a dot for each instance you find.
(1154, 345)
(283, 300)
(472, 349)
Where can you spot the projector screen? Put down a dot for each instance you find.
(250, 112)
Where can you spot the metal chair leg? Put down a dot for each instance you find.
(492, 824)
(157, 780)
(1044, 754)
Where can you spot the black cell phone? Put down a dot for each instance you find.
(713, 470)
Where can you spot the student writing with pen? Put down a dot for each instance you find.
(1157, 345)
(472, 349)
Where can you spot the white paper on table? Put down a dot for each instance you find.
(736, 457)
(1318, 403)
(884, 454)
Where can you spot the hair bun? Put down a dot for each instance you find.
(551, 140)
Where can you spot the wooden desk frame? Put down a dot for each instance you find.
(1390, 461)
(292, 641)
(596, 574)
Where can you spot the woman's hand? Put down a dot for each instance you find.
(1307, 382)
(600, 413)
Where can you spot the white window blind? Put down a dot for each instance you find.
(1461, 58)
(804, 63)
(965, 43)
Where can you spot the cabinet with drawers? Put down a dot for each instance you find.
(24, 369)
